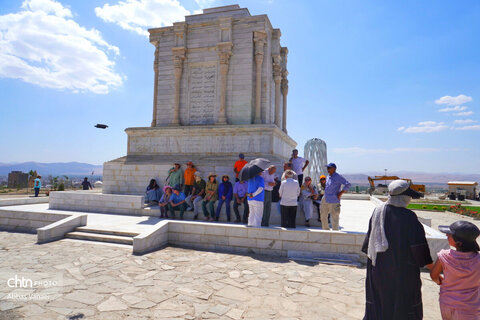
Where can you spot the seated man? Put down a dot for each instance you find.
(240, 196)
(153, 193)
(198, 192)
(307, 194)
(177, 202)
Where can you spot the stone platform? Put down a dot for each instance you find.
(149, 233)
(152, 151)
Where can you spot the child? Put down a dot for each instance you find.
(460, 283)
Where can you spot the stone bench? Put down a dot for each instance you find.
(96, 202)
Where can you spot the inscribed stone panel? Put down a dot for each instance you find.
(202, 93)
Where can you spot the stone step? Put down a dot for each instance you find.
(107, 231)
(99, 237)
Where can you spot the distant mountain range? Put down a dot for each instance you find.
(56, 168)
(77, 168)
(417, 177)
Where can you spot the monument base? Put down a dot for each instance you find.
(152, 152)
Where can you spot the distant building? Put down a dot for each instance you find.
(17, 179)
(467, 189)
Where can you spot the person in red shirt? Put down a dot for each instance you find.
(239, 164)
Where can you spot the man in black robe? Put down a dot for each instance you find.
(397, 248)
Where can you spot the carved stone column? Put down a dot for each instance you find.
(285, 93)
(259, 39)
(284, 53)
(277, 77)
(224, 50)
(178, 57)
(155, 85)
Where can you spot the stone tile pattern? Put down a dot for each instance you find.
(107, 282)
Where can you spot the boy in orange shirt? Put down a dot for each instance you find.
(189, 177)
(239, 164)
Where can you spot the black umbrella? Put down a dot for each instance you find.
(253, 168)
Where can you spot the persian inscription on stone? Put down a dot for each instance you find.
(202, 94)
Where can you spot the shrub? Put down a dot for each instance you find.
(435, 208)
(424, 207)
(61, 187)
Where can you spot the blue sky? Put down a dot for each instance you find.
(387, 84)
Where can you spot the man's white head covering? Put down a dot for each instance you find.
(399, 195)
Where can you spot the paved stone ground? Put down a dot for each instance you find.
(107, 282)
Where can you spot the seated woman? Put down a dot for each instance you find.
(211, 195)
(153, 193)
(163, 204)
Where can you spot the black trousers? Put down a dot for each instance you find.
(289, 214)
(300, 179)
(187, 190)
(245, 209)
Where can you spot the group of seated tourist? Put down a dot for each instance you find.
(187, 190)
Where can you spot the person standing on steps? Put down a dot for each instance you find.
(335, 187)
(269, 177)
(239, 164)
(298, 164)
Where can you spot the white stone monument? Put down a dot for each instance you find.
(315, 151)
(220, 88)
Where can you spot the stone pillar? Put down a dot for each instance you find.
(259, 37)
(284, 53)
(277, 77)
(178, 57)
(224, 50)
(155, 85)
(285, 93)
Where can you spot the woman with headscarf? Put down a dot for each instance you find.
(396, 248)
(153, 193)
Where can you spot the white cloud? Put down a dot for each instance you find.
(464, 114)
(139, 15)
(472, 127)
(465, 121)
(359, 150)
(454, 101)
(457, 108)
(43, 46)
(205, 3)
(424, 127)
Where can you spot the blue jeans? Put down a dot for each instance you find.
(219, 207)
(37, 190)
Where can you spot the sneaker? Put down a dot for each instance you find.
(195, 217)
(161, 216)
(307, 224)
